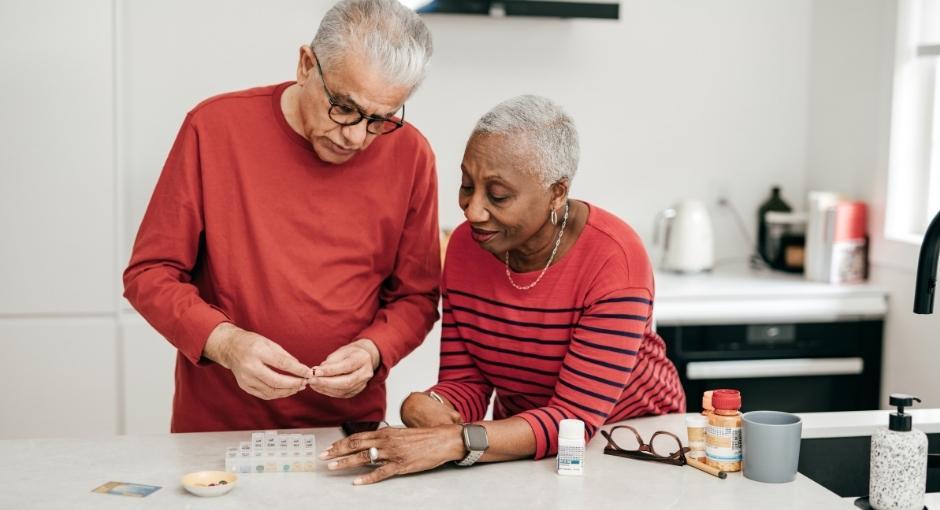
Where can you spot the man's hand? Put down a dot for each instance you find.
(347, 371)
(252, 358)
(421, 410)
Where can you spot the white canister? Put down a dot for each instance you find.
(696, 425)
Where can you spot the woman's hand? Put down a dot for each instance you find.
(421, 410)
(400, 451)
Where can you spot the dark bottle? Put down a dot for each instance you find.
(774, 203)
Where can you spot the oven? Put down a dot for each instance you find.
(792, 367)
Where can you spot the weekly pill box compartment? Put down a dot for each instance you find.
(270, 452)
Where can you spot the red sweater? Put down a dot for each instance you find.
(577, 345)
(247, 225)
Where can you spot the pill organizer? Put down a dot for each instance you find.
(270, 452)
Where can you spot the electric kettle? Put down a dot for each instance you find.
(688, 244)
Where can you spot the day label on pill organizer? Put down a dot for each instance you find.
(270, 452)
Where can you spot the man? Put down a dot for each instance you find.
(290, 250)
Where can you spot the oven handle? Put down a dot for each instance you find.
(795, 367)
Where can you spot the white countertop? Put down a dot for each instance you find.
(864, 423)
(734, 293)
(60, 473)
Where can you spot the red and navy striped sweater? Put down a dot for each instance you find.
(577, 345)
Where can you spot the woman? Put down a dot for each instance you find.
(547, 300)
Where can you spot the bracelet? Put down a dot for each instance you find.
(437, 397)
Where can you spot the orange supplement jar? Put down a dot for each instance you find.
(723, 434)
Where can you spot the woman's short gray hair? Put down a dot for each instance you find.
(538, 125)
(391, 36)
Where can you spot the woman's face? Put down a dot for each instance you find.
(501, 197)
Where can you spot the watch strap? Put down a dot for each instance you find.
(471, 458)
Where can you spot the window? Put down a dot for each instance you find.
(914, 173)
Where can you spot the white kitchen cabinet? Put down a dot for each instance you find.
(59, 377)
(57, 179)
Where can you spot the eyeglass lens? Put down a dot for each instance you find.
(661, 444)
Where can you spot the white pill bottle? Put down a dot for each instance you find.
(570, 459)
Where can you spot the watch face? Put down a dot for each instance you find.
(475, 437)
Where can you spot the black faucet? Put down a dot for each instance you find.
(927, 268)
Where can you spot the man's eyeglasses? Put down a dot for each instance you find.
(346, 115)
(625, 441)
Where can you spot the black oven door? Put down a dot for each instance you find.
(811, 367)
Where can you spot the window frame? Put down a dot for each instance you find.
(913, 196)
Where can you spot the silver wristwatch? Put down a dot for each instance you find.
(476, 443)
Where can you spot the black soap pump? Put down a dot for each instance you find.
(898, 461)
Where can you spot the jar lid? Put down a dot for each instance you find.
(571, 429)
(726, 400)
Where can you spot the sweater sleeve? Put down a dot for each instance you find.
(596, 369)
(459, 379)
(409, 295)
(157, 281)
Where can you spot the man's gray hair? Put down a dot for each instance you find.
(391, 36)
(536, 124)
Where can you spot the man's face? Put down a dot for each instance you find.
(354, 84)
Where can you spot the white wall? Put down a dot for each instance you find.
(849, 130)
(679, 98)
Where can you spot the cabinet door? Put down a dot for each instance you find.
(57, 192)
(59, 378)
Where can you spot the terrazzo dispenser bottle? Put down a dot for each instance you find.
(898, 461)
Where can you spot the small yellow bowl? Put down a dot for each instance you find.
(209, 483)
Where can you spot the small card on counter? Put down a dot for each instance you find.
(136, 490)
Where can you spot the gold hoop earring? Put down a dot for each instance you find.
(553, 217)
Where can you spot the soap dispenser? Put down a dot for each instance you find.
(898, 461)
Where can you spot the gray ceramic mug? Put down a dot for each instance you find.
(771, 446)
